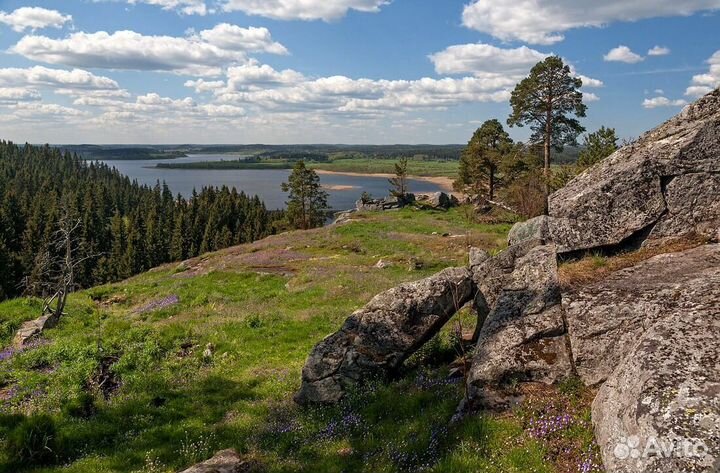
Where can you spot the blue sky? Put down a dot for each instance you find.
(336, 71)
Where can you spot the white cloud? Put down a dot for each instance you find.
(485, 60)
(41, 111)
(326, 10)
(226, 36)
(11, 95)
(544, 21)
(340, 94)
(589, 82)
(590, 97)
(658, 51)
(254, 74)
(623, 54)
(705, 83)
(34, 18)
(187, 7)
(656, 102)
(202, 86)
(205, 53)
(40, 76)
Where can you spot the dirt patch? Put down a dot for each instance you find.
(116, 299)
(105, 381)
(257, 257)
(7, 393)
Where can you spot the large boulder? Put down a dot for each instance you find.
(664, 185)
(524, 336)
(606, 319)
(534, 229)
(33, 329)
(378, 338)
(651, 333)
(438, 200)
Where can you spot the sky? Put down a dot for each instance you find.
(336, 71)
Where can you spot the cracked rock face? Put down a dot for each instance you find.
(653, 333)
(669, 177)
(524, 336)
(378, 338)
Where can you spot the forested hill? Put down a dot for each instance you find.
(124, 228)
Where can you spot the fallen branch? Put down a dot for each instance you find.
(503, 206)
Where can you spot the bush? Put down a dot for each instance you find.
(34, 441)
(527, 195)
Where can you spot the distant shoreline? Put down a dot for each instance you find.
(445, 183)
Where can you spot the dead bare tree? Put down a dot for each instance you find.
(54, 276)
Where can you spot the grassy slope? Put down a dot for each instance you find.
(262, 307)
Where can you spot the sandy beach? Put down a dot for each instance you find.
(338, 187)
(445, 183)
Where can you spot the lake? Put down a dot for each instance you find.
(343, 190)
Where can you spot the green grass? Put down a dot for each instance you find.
(416, 167)
(259, 309)
(387, 166)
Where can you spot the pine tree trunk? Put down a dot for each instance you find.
(491, 184)
(546, 168)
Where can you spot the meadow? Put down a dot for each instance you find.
(158, 372)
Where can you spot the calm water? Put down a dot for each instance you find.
(262, 182)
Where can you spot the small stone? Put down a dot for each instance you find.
(209, 351)
(382, 264)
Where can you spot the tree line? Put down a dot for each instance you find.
(549, 102)
(124, 228)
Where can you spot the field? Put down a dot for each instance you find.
(362, 165)
(158, 372)
(430, 168)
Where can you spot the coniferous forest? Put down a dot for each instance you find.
(123, 228)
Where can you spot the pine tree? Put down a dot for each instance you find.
(547, 100)
(598, 146)
(399, 182)
(486, 153)
(307, 201)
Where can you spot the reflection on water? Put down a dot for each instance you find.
(343, 190)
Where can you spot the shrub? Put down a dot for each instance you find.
(34, 441)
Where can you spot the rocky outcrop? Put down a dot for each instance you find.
(606, 319)
(376, 339)
(534, 229)
(226, 461)
(32, 329)
(665, 185)
(391, 202)
(647, 336)
(438, 200)
(651, 333)
(524, 336)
